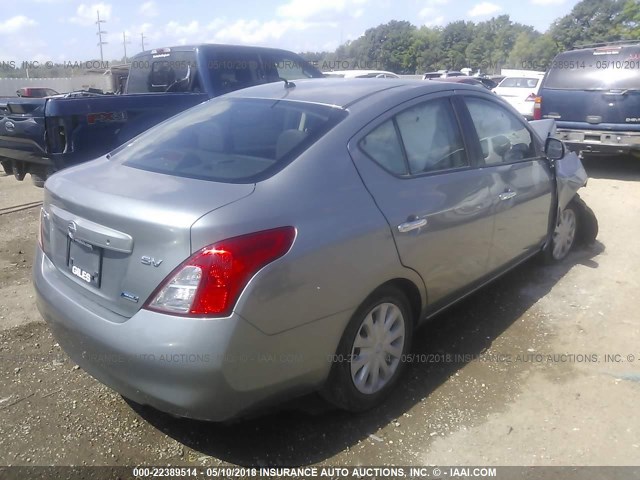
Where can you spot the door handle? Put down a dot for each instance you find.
(507, 195)
(412, 225)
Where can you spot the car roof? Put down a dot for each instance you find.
(345, 93)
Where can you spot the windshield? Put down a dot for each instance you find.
(596, 69)
(519, 82)
(230, 140)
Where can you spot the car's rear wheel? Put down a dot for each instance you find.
(372, 352)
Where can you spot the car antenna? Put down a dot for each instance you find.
(287, 83)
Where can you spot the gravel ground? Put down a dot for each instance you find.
(508, 404)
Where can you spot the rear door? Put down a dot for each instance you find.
(512, 155)
(416, 165)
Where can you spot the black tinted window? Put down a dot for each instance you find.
(503, 136)
(162, 71)
(233, 140)
(431, 137)
(233, 70)
(600, 68)
(279, 65)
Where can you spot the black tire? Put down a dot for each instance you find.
(19, 171)
(38, 179)
(549, 254)
(587, 230)
(7, 166)
(340, 388)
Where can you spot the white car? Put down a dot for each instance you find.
(521, 92)
(360, 74)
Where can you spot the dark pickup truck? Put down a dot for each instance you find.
(42, 135)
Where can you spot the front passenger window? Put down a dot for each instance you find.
(503, 137)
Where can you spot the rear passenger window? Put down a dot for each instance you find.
(383, 146)
(503, 136)
(279, 67)
(431, 137)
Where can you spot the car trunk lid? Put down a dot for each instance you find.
(115, 232)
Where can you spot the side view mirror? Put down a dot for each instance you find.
(554, 149)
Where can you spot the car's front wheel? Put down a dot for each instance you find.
(372, 352)
(564, 235)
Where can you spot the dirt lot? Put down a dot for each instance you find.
(573, 408)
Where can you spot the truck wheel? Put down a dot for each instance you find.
(371, 355)
(19, 170)
(8, 167)
(38, 178)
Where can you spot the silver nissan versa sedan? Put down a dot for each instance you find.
(290, 237)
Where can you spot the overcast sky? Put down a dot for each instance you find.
(56, 30)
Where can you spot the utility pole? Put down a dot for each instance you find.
(142, 41)
(124, 44)
(100, 33)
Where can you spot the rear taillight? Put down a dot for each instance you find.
(531, 98)
(210, 281)
(537, 108)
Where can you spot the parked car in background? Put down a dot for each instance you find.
(464, 79)
(593, 93)
(283, 239)
(43, 135)
(487, 82)
(521, 92)
(35, 92)
(442, 74)
(360, 74)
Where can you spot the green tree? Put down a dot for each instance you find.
(630, 20)
(589, 21)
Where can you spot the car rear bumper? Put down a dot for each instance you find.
(208, 369)
(600, 142)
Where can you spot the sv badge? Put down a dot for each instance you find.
(145, 260)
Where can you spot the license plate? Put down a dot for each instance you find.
(84, 261)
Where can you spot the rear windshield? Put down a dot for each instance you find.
(519, 82)
(236, 140)
(158, 72)
(597, 69)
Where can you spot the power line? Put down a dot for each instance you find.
(100, 33)
(124, 44)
